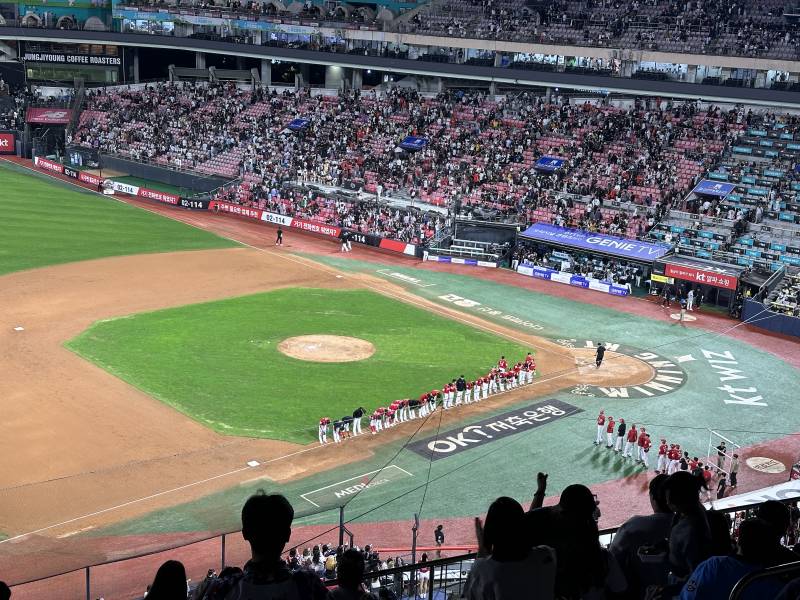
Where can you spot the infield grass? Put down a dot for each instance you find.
(48, 223)
(218, 362)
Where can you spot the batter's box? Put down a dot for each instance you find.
(340, 492)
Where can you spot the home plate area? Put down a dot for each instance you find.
(338, 493)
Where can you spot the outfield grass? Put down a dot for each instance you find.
(218, 362)
(47, 223)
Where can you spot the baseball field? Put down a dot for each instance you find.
(159, 365)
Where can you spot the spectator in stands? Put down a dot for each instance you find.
(506, 566)
(350, 575)
(690, 541)
(714, 578)
(267, 527)
(632, 542)
(583, 568)
(777, 516)
(169, 583)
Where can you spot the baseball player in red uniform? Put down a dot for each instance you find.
(661, 465)
(468, 393)
(502, 364)
(323, 430)
(493, 383)
(433, 398)
(674, 456)
(646, 450)
(484, 387)
(601, 426)
(610, 432)
(640, 445)
(630, 442)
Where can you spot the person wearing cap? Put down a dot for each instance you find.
(570, 528)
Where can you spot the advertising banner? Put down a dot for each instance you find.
(235, 209)
(474, 262)
(314, 227)
(72, 59)
(396, 246)
(549, 164)
(491, 429)
(48, 116)
(48, 165)
(8, 142)
(574, 280)
(413, 143)
(163, 197)
(194, 204)
(595, 242)
(701, 276)
(277, 219)
(298, 124)
(713, 188)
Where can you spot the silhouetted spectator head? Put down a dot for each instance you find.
(502, 531)
(776, 514)
(658, 494)
(683, 492)
(578, 501)
(350, 569)
(756, 540)
(169, 582)
(5, 591)
(267, 524)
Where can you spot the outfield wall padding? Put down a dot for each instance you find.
(756, 314)
(195, 183)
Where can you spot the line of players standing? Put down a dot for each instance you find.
(635, 444)
(459, 391)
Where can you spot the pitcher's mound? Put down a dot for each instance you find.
(326, 348)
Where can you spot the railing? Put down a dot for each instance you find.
(126, 576)
(738, 591)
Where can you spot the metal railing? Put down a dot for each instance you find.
(738, 591)
(127, 576)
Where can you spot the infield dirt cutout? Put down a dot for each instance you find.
(326, 348)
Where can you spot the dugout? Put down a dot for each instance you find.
(716, 282)
(567, 248)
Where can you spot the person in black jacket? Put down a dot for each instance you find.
(621, 428)
(461, 386)
(357, 414)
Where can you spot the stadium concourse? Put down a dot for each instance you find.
(459, 530)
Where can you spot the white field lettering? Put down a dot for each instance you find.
(723, 364)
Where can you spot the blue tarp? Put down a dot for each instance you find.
(413, 143)
(298, 124)
(713, 188)
(595, 242)
(549, 164)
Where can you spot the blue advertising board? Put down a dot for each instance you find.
(568, 278)
(298, 124)
(413, 143)
(595, 242)
(549, 164)
(713, 188)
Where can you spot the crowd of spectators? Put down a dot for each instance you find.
(479, 160)
(786, 299)
(12, 106)
(681, 549)
(697, 26)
